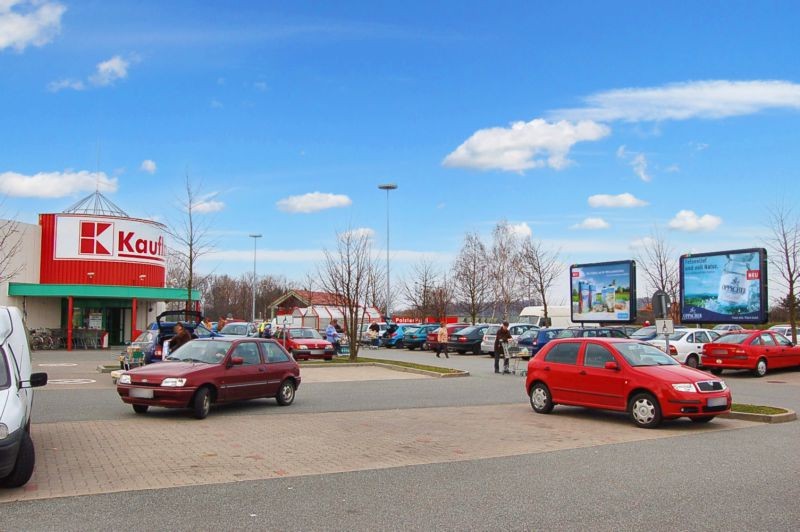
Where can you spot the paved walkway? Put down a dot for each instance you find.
(168, 449)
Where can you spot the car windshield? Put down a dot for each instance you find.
(677, 335)
(5, 378)
(466, 331)
(304, 333)
(732, 338)
(640, 354)
(207, 352)
(643, 332)
(493, 329)
(410, 330)
(530, 333)
(569, 333)
(146, 336)
(235, 329)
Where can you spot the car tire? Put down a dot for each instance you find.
(328, 359)
(541, 401)
(23, 467)
(201, 404)
(692, 361)
(140, 409)
(286, 393)
(715, 371)
(460, 351)
(761, 367)
(411, 347)
(702, 419)
(645, 411)
(399, 345)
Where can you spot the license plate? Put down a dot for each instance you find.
(717, 401)
(720, 351)
(141, 393)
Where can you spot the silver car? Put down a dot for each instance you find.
(516, 329)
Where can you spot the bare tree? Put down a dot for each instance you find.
(503, 273)
(784, 255)
(190, 236)
(419, 285)
(10, 246)
(442, 297)
(377, 288)
(346, 272)
(539, 267)
(471, 276)
(657, 261)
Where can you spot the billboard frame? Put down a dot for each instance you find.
(632, 304)
(763, 316)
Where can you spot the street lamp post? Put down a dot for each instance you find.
(255, 238)
(387, 187)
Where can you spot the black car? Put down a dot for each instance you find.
(150, 343)
(468, 339)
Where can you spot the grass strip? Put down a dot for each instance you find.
(363, 360)
(757, 409)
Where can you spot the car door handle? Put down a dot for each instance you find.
(546, 368)
(262, 370)
(582, 372)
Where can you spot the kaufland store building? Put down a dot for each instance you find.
(91, 268)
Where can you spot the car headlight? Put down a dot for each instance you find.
(3, 431)
(684, 387)
(125, 379)
(724, 386)
(173, 382)
(301, 346)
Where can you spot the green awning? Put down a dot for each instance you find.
(100, 291)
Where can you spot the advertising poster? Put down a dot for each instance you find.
(724, 287)
(603, 292)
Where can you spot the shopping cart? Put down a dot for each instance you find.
(513, 353)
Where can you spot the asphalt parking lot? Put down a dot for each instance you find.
(372, 451)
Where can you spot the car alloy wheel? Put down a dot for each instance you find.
(285, 395)
(202, 403)
(645, 411)
(761, 367)
(691, 361)
(540, 399)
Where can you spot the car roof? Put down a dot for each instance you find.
(231, 339)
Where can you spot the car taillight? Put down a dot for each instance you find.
(158, 351)
(739, 351)
(394, 334)
(462, 339)
(673, 351)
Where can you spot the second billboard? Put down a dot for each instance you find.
(603, 292)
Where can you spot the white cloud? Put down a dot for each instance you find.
(640, 243)
(149, 166)
(682, 101)
(521, 230)
(592, 224)
(637, 160)
(625, 200)
(55, 184)
(524, 145)
(313, 202)
(361, 232)
(28, 22)
(207, 204)
(216, 104)
(74, 84)
(110, 71)
(687, 220)
(261, 86)
(673, 168)
(315, 255)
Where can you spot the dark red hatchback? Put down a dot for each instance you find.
(213, 370)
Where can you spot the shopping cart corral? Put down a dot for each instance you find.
(513, 354)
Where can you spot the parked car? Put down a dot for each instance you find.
(393, 336)
(150, 343)
(758, 351)
(417, 337)
(592, 332)
(17, 453)
(240, 328)
(785, 330)
(727, 327)
(686, 345)
(210, 371)
(627, 329)
(535, 339)
(305, 343)
(516, 329)
(645, 333)
(623, 375)
(467, 339)
(433, 340)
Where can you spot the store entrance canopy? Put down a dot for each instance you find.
(100, 291)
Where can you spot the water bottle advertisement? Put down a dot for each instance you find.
(603, 292)
(724, 287)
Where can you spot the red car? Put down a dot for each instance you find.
(757, 351)
(213, 370)
(305, 343)
(623, 375)
(433, 337)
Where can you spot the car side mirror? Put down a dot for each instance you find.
(611, 365)
(236, 361)
(36, 380)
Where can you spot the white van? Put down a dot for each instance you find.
(557, 316)
(17, 455)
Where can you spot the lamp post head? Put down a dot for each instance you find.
(388, 186)
(256, 235)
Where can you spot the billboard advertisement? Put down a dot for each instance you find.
(603, 292)
(724, 286)
(106, 238)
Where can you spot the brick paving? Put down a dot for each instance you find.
(161, 451)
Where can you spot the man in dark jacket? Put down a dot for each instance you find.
(502, 337)
(181, 337)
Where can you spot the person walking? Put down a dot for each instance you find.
(441, 341)
(332, 334)
(501, 339)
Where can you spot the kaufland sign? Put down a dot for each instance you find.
(107, 238)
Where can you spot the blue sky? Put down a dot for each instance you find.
(628, 117)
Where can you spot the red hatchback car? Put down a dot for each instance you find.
(305, 343)
(213, 370)
(433, 337)
(757, 351)
(623, 375)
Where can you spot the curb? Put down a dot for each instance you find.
(107, 369)
(786, 417)
(456, 373)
